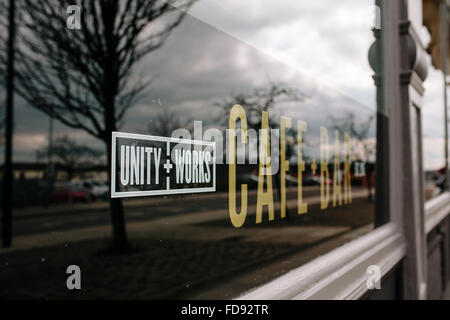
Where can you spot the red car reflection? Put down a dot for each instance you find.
(71, 193)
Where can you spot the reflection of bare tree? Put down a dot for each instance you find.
(264, 98)
(360, 130)
(71, 154)
(357, 129)
(83, 77)
(261, 99)
(2, 117)
(165, 122)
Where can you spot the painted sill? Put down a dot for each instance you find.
(339, 274)
(436, 210)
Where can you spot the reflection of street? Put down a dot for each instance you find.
(67, 217)
(181, 250)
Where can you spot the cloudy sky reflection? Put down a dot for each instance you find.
(226, 48)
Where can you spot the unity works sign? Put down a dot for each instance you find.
(145, 165)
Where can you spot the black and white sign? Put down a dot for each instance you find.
(145, 165)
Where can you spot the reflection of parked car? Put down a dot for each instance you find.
(98, 190)
(315, 181)
(67, 192)
(311, 181)
(291, 181)
(250, 179)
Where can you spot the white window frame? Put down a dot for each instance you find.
(342, 273)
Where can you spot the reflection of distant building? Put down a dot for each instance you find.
(38, 170)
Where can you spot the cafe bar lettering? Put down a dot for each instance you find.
(146, 165)
(341, 188)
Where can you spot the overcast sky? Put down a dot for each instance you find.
(228, 47)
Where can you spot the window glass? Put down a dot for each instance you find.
(434, 134)
(285, 91)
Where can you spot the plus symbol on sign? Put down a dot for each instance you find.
(168, 166)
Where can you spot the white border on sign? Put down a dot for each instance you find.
(126, 194)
